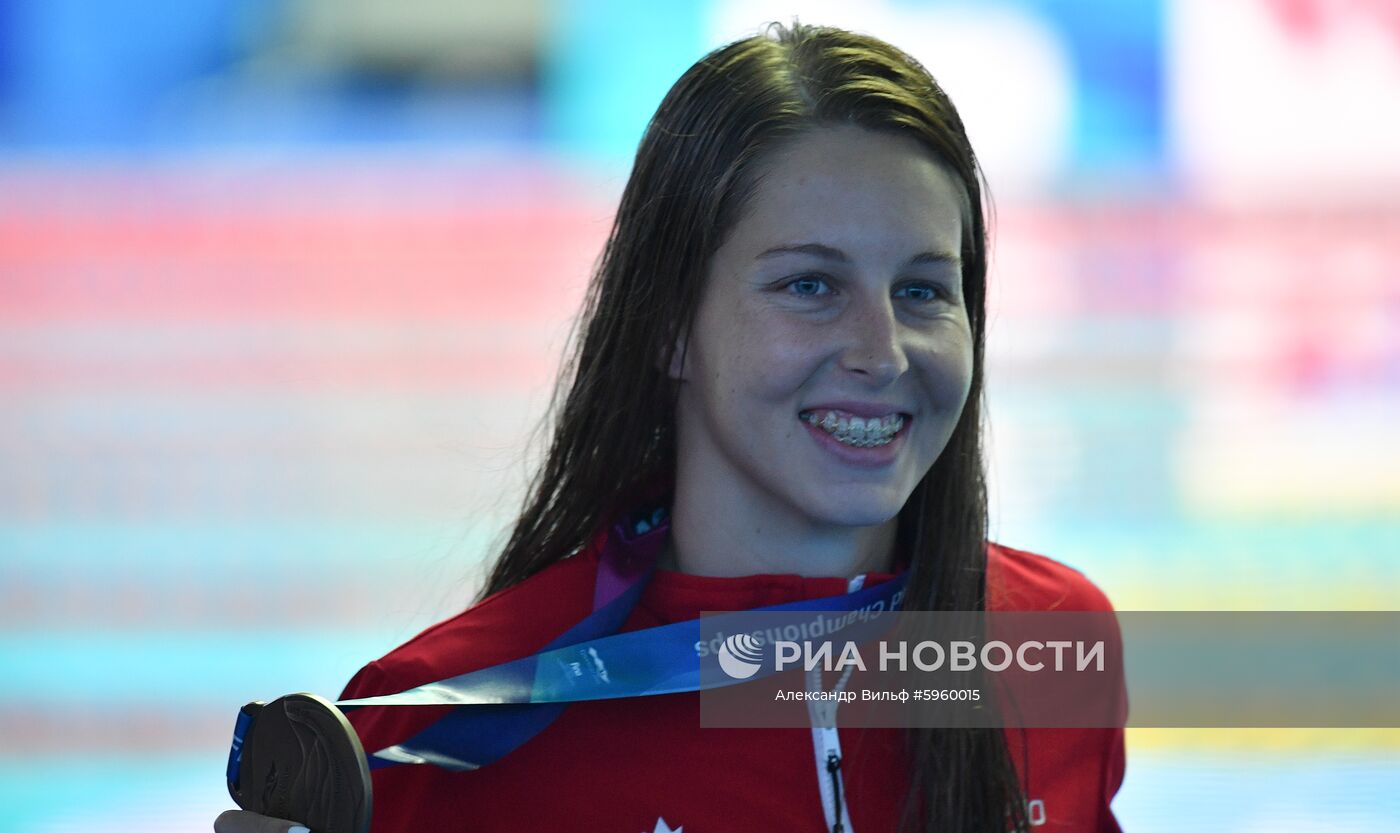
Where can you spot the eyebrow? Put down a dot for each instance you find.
(833, 254)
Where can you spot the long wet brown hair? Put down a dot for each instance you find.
(615, 413)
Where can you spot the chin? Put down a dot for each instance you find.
(843, 508)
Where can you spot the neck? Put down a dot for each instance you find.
(752, 542)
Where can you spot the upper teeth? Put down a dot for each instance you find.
(854, 430)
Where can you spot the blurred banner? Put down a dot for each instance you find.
(284, 286)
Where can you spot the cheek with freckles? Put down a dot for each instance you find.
(759, 355)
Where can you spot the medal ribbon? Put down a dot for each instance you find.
(501, 707)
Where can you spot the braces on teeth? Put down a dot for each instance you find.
(861, 433)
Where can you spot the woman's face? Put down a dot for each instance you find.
(831, 354)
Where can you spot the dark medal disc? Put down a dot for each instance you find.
(301, 760)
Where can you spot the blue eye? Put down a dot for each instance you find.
(808, 286)
(921, 292)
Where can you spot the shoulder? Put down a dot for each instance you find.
(1025, 581)
(1069, 774)
(516, 621)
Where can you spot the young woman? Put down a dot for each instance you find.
(784, 344)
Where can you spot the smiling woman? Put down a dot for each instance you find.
(828, 362)
(776, 397)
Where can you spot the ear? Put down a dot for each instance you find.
(676, 368)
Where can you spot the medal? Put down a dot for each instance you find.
(298, 758)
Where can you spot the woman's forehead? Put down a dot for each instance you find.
(853, 184)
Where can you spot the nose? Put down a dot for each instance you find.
(873, 341)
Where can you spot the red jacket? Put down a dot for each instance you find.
(644, 765)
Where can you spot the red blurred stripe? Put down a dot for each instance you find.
(101, 246)
(39, 730)
(465, 372)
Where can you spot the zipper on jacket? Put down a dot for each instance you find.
(833, 766)
(826, 741)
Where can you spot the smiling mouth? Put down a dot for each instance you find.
(853, 430)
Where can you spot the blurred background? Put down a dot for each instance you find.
(284, 286)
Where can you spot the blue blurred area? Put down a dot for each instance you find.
(81, 73)
(1117, 53)
(608, 64)
(147, 75)
(144, 73)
